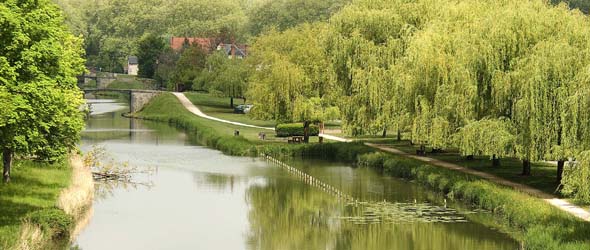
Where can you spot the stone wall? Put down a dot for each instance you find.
(140, 99)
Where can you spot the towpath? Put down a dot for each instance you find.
(551, 199)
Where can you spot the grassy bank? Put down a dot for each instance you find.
(44, 204)
(220, 107)
(32, 196)
(543, 175)
(167, 108)
(538, 224)
(542, 226)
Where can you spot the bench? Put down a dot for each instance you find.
(295, 139)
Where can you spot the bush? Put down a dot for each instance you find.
(295, 129)
(53, 221)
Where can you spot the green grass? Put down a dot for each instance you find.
(219, 107)
(218, 135)
(131, 82)
(34, 188)
(543, 174)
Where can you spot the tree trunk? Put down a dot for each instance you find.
(495, 161)
(306, 132)
(384, 133)
(231, 102)
(399, 135)
(7, 161)
(526, 167)
(560, 165)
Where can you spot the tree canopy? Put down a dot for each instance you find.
(39, 62)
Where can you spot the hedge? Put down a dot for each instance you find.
(295, 129)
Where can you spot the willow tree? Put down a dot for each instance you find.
(367, 44)
(291, 71)
(491, 137)
(39, 62)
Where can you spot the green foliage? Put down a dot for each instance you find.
(487, 137)
(442, 71)
(285, 14)
(295, 129)
(576, 178)
(543, 226)
(188, 67)
(223, 75)
(113, 28)
(291, 70)
(39, 62)
(149, 49)
(52, 220)
(582, 5)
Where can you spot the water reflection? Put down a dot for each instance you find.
(202, 199)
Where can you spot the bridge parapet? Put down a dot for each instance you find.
(138, 98)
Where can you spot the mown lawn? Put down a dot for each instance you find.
(219, 107)
(34, 186)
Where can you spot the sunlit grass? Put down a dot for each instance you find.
(543, 174)
(220, 107)
(34, 186)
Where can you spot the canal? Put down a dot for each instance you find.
(186, 196)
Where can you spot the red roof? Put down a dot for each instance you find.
(205, 43)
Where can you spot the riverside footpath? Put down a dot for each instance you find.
(551, 199)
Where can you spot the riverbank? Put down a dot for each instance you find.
(531, 220)
(43, 203)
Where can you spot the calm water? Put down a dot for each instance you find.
(199, 198)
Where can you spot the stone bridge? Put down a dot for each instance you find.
(138, 98)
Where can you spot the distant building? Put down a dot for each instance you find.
(177, 43)
(208, 45)
(132, 65)
(234, 50)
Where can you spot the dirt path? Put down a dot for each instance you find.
(551, 199)
(193, 109)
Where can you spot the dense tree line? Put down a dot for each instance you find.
(496, 78)
(112, 29)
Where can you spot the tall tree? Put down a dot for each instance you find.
(149, 49)
(225, 76)
(39, 61)
(290, 69)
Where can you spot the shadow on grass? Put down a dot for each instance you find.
(34, 186)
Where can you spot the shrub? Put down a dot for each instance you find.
(295, 129)
(53, 221)
(373, 160)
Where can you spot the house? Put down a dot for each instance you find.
(177, 43)
(208, 45)
(132, 65)
(233, 50)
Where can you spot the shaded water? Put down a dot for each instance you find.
(202, 199)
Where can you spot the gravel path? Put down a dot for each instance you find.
(551, 199)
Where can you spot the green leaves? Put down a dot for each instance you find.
(576, 178)
(292, 80)
(39, 97)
